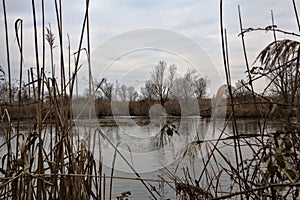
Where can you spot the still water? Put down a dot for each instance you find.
(155, 155)
(138, 141)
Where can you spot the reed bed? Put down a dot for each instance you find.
(266, 164)
(42, 159)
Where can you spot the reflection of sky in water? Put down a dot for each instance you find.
(140, 143)
(148, 164)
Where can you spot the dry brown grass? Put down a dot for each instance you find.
(44, 160)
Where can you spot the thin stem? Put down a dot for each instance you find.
(60, 34)
(237, 148)
(112, 172)
(79, 47)
(248, 68)
(279, 185)
(296, 14)
(41, 184)
(20, 45)
(7, 51)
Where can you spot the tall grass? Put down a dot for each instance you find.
(45, 159)
(46, 163)
(271, 168)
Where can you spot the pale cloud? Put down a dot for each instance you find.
(197, 20)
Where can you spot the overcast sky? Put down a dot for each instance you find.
(128, 37)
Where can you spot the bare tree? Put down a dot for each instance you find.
(132, 93)
(183, 88)
(123, 92)
(3, 85)
(200, 86)
(2, 74)
(162, 84)
(191, 85)
(3, 91)
(241, 89)
(104, 89)
(148, 90)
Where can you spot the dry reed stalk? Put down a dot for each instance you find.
(296, 14)
(7, 52)
(237, 149)
(112, 172)
(248, 69)
(62, 155)
(20, 46)
(104, 186)
(79, 49)
(58, 12)
(40, 184)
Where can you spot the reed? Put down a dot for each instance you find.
(45, 159)
(272, 172)
(7, 51)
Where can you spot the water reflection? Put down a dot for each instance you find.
(139, 146)
(146, 146)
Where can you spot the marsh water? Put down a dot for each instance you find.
(156, 156)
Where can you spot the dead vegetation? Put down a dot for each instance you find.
(45, 159)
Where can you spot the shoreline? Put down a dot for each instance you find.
(103, 109)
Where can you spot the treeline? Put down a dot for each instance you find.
(143, 108)
(164, 84)
(164, 87)
(244, 108)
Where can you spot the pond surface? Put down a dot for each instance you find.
(153, 154)
(139, 142)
